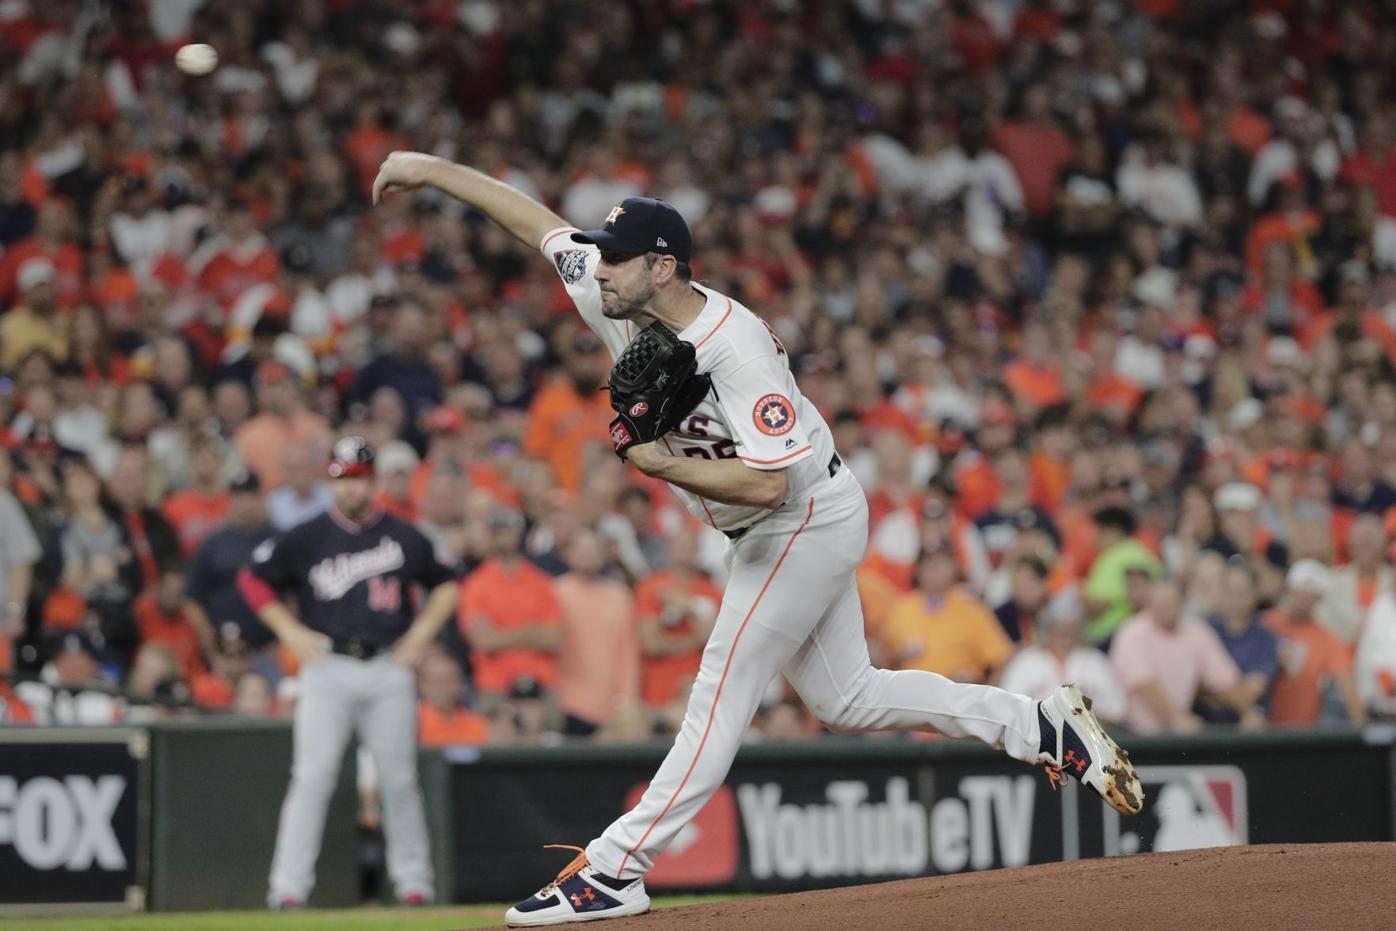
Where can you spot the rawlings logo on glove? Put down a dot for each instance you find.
(654, 385)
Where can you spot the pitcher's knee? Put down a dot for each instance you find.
(854, 711)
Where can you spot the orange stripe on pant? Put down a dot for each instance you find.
(717, 696)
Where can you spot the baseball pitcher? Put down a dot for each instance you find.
(351, 573)
(705, 399)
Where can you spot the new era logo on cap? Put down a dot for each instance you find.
(642, 224)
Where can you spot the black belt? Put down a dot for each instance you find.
(835, 463)
(358, 649)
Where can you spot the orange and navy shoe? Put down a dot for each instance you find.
(1074, 744)
(579, 893)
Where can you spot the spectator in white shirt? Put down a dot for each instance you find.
(1354, 587)
(1058, 657)
(1150, 179)
(1374, 667)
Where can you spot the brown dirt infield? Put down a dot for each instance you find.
(1304, 887)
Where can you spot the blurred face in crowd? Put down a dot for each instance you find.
(411, 333)
(1029, 587)
(587, 362)
(1063, 634)
(936, 573)
(1366, 540)
(353, 495)
(506, 534)
(1238, 594)
(231, 405)
(1300, 603)
(81, 486)
(1166, 605)
(1138, 585)
(246, 510)
(440, 681)
(205, 465)
(253, 695)
(42, 297)
(169, 593)
(1239, 526)
(128, 478)
(140, 413)
(275, 394)
(304, 467)
(586, 552)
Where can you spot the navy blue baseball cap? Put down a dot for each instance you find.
(642, 224)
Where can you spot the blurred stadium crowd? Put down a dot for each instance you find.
(1099, 298)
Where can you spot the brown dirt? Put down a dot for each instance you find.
(1305, 887)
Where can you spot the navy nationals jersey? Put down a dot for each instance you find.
(352, 581)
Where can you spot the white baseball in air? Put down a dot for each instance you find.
(196, 59)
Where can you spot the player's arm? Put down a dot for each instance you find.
(729, 481)
(519, 215)
(1173, 719)
(259, 583)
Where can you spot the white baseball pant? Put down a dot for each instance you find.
(791, 606)
(338, 695)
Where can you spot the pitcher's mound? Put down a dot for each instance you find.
(1293, 886)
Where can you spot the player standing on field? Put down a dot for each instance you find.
(756, 461)
(351, 573)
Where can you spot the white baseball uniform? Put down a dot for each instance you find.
(791, 604)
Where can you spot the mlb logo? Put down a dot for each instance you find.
(705, 851)
(1186, 808)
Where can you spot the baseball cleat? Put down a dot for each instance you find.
(579, 893)
(1074, 744)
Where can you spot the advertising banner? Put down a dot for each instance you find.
(73, 817)
(824, 815)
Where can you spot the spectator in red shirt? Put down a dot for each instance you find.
(197, 510)
(242, 257)
(1036, 147)
(161, 618)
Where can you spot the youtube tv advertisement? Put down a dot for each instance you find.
(791, 819)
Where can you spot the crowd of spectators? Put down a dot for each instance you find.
(1099, 299)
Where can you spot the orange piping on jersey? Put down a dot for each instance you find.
(719, 325)
(701, 499)
(802, 449)
(570, 229)
(717, 696)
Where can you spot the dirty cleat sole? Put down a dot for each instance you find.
(1085, 751)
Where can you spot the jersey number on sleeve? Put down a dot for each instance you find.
(720, 449)
(385, 594)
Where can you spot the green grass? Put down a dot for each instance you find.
(355, 919)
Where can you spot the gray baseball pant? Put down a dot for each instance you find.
(339, 694)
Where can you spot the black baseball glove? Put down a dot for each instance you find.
(654, 385)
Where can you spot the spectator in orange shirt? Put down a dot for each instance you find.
(282, 419)
(444, 717)
(1034, 377)
(197, 511)
(1315, 666)
(161, 618)
(570, 412)
(509, 613)
(598, 668)
(674, 610)
(940, 627)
